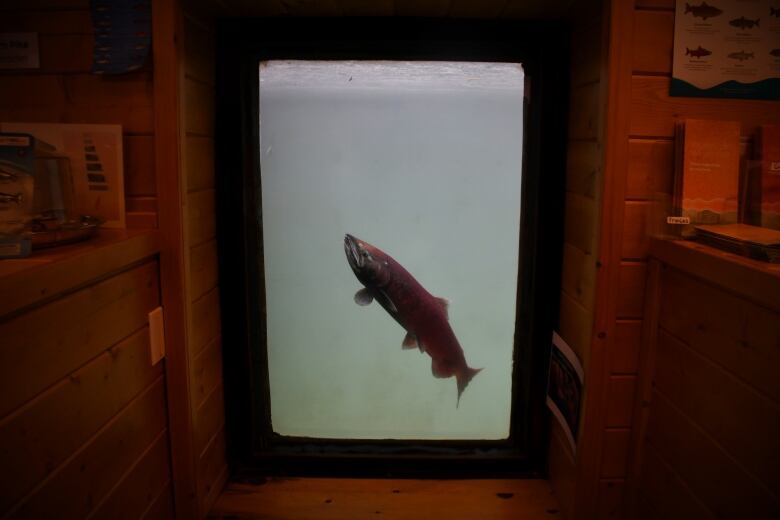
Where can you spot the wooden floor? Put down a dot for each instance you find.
(330, 498)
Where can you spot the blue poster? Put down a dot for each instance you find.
(123, 35)
(727, 49)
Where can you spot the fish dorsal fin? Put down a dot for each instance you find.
(363, 297)
(445, 306)
(410, 341)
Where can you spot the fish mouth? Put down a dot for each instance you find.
(352, 250)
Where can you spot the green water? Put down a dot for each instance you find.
(426, 165)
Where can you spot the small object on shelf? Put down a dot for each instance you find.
(706, 177)
(742, 239)
(49, 232)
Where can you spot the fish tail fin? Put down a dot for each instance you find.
(464, 377)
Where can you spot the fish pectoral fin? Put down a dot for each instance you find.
(363, 297)
(445, 306)
(410, 341)
(391, 306)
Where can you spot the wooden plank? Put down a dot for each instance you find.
(579, 275)
(39, 437)
(162, 508)
(585, 112)
(575, 325)
(201, 217)
(76, 488)
(667, 492)
(620, 402)
(738, 335)
(624, 350)
(483, 9)
(211, 466)
(72, 21)
(653, 42)
(562, 470)
(77, 328)
(134, 120)
(141, 204)
(631, 296)
(199, 49)
(614, 453)
(429, 8)
(206, 373)
(743, 422)
(209, 418)
(92, 90)
(752, 279)
(721, 484)
(360, 8)
(140, 487)
(610, 501)
(47, 273)
(636, 243)
(313, 499)
(167, 35)
(203, 269)
(655, 4)
(583, 167)
(38, 90)
(65, 53)
(653, 111)
(650, 168)
(198, 108)
(586, 43)
(199, 163)
(580, 222)
(205, 322)
(141, 220)
(138, 155)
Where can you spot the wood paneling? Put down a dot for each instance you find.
(651, 163)
(632, 290)
(575, 325)
(65, 53)
(624, 350)
(203, 269)
(734, 333)
(610, 504)
(70, 21)
(562, 469)
(140, 487)
(211, 470)
(653, 40)
(162, 508)
(199, 163)
(198, 108)
(206, 372)
(101, 463)
(636, 242)
(201, 222)
(580, 223)
(416, 8)
(40, 436)
(614, 452)
(209, 418)
(742, 421)
(620, 401)
(205, 322)
(199, 50)
(77, 328)
(710, 473)
(586, 51)
(583, 167)
(653, 111)
(139, 165)
(579, 276)
(585, 112)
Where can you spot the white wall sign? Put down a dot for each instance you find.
(19, 51)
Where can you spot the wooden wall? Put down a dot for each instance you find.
(83, 426)
(584, 178)
(200, 246)
(63, 90)
(640, 158)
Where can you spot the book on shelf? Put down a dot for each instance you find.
(743, 239)
(767, 148)
(706, 176)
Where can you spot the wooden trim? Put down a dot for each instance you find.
(644, 388)
(168, 77)
(618, 17)
(49, 273)
(752, 279)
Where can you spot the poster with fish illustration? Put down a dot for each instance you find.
(727, 49)
(564, 388)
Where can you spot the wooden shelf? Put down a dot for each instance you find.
(752, 279)
(49, 272)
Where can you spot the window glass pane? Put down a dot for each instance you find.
(423, 161)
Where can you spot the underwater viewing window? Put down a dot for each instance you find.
(384, 297)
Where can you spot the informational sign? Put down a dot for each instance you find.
(727, 48)
(564, 388)
(19, 51)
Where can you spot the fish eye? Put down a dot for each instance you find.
(365, 254)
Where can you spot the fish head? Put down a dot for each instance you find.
(368, 262)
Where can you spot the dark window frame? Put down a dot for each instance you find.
(542, 48)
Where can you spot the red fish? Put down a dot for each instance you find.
(703, 10)
(422, 315)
